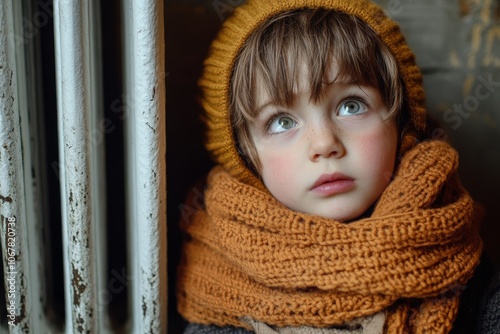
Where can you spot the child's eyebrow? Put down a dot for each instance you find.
(275, 103)
(270, 106)
(261, 109)
(263, 106)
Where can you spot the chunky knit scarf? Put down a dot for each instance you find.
(249, 256)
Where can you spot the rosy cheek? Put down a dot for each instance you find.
(379, 150)
(277, 171)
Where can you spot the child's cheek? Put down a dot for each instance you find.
(277, 171)
(378, 149)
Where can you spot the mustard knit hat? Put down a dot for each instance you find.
(215, 81)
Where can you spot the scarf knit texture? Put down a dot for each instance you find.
(249, 256)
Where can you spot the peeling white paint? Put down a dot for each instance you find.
(77, 30)
(79, 108)
(146, 162)
(20, 241)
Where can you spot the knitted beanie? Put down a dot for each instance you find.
(215, 81)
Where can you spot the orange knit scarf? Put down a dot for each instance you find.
(248, 255)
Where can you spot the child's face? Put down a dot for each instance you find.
(333, 158)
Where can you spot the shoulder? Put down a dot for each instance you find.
(211, 329)
(480, 302)
(489, 318)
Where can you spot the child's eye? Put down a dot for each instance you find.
(281, 124)
(352, 107)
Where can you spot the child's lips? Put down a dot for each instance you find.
(330, 184)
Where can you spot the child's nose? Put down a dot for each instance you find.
(325, 142)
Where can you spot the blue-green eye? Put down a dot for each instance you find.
(281, 124)
(351, 107)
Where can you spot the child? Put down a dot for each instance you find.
(332, 210)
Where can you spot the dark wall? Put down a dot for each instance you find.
(189, 29)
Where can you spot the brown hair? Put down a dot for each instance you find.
(277, 49)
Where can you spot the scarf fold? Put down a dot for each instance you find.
(249, 256)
